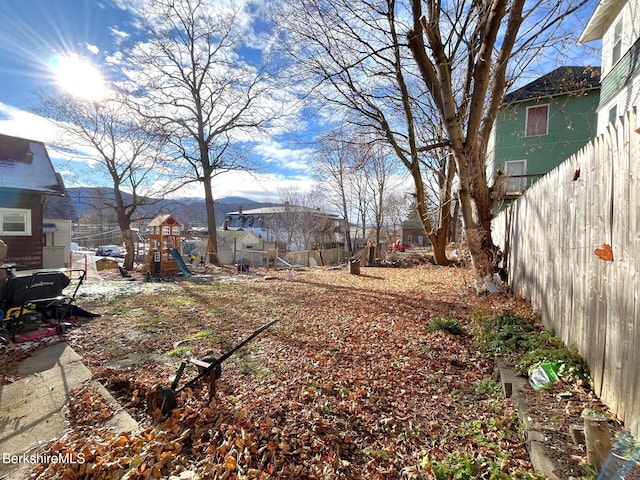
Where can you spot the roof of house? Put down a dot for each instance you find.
(59, 206)
(226, 237)
(166, 219)
(560, 81)
(25, 165)
(282, 209)
(412, 223)
(605, 10)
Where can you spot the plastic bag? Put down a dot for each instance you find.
(544, 375)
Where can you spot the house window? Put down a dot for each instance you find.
(409, 238)
(537, 121)
(15, 222)
(617, 43)
(515, 181)
(613, 114)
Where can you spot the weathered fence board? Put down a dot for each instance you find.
(555, 236)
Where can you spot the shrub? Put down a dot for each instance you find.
(516, 336)
(447, 324)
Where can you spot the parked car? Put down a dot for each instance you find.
(400, 246)
(110, 251)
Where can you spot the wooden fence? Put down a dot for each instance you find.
(327, 256)
(573, 247)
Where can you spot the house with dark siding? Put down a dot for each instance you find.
(26, 178)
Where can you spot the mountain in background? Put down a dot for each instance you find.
(89, 204)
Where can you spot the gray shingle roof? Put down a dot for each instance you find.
(25, 165)
(561, 80)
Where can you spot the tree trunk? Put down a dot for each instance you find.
(453, 227)
(127, 236)
(347, 236)
(347, 225)
(476, 216)
(438, 237)
(211, 220)
(124, 222)
(439, 243)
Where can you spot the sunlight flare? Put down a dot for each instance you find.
(78, 77)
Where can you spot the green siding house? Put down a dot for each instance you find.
(540, 125)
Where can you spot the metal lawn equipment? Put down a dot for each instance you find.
(164, 398)
(35, 304)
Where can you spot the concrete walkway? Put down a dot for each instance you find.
(31, 413)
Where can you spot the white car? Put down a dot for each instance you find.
(110, 251)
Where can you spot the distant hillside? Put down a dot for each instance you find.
(89, 202)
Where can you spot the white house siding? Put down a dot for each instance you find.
(623, 101)
(628, 96)
(630, 33)
(56, 254)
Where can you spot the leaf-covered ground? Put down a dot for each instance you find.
(350, 382)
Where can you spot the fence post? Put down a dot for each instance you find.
(598, 440)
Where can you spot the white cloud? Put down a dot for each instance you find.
(19, 123)
(93, 49)
(118, 34)
(256, 186)
(114, 59)
(282, 157)
(264, 187)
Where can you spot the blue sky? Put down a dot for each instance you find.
(36, 33)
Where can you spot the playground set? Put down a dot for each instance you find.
(165, 258)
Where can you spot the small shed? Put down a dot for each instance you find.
(164, 245)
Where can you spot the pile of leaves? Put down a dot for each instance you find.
(352, 382)
(87, 407)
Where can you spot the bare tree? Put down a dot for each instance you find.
(463, 50)
(454, 80)
(335, 160)
(379, 171)
(301, 224)
(396, 208)
(190, 77)
(116, 142)
(332, 167)
(357, 54)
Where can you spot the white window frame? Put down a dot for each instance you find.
(613, 113)
(515, 185)
(526, 125)
(26, 232)
(616, 48)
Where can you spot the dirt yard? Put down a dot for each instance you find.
(350, 382)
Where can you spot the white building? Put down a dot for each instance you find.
(617, 24)
(290, 226)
